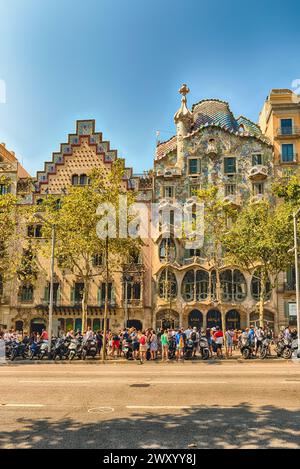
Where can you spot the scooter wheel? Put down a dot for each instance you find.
(287, 353)
(263, 354)
(205, 355)
(246, 353)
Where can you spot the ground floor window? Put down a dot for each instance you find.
(233, 319)
(214, 318)
(195, 319)
(167, 319)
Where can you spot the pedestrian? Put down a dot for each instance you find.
(229, 340)
(218, 338)
(143, 346)
(153, 345)
(165, 346)
(194, 336)
(180, 344)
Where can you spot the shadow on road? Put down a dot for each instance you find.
(240, 426)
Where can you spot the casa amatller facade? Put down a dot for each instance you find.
(167, 285)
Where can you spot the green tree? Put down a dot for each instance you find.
(260, 239)
(8, 223)
(77, 240)
(218, 214)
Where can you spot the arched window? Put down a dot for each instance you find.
(255, 286)
(213, 318)
(167, 319)
(195, 319)
(167, 250)
(202, 283)
(188, 286)
(75, 180)
(233, 286)
(167, 285)
(233, 319)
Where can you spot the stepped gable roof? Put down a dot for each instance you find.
(214, 112)
(165, 147)
(85, 130)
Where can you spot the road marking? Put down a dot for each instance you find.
(22, 405)
(159, 407)
(55, 381)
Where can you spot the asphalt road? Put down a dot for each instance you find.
(126, 405)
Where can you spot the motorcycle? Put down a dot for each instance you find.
(89, 349)
(285, 347)
(18, 349)
(34, 350)
(246, 346)
(204, 349)
(127, 349)
(60, 349)
(172, 348)
(188, 350)
(264, 348)
(75, 349)
(43, 349)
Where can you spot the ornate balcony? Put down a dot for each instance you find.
(211, 149)
(258, 172)
(169, 172)
(288, 132)
(233, 200)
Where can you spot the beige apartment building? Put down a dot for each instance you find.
(168, 284)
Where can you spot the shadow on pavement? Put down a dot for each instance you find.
(239, 426)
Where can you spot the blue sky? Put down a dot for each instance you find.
(122, 62)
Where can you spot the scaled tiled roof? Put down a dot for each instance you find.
(213, 112)
(165, 147)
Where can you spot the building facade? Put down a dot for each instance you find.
(169, 283)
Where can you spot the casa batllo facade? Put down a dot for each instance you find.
(168, 285)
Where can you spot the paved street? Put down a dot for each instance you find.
(126, 405)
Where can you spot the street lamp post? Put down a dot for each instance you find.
(53, 239)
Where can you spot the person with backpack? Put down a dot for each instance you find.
(143, 346)
(194, 336)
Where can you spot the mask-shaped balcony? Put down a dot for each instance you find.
(233, 200)
(211, 148)
(258, 172)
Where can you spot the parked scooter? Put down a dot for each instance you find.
(89, 349)
(188, 349)
(264, 347)
(285, 347)
(75, 348)
(204, 349)
(18, 349)
(127, 349)
(246, 346)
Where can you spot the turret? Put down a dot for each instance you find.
(183, 119)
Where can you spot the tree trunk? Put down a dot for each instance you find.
(262, 299)
(85, 297)
(218, 295)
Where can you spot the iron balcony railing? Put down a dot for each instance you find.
(289, 159)
(282, 131)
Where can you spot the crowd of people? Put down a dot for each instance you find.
(152, 345)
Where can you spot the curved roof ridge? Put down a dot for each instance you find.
(211, 99)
